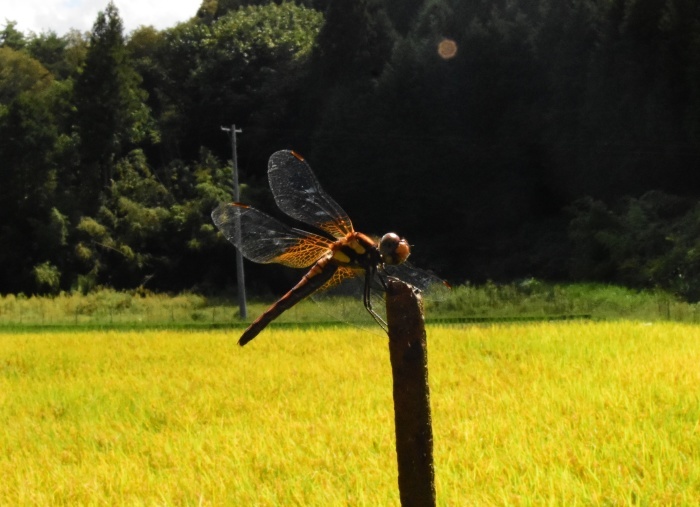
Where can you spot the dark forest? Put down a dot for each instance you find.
(505, 139)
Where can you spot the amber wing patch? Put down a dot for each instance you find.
(340, 276)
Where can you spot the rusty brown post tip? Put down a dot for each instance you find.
(408, 352)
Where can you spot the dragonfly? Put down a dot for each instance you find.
(336, 254)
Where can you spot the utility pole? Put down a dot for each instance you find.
(240, 276)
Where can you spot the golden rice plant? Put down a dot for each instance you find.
(530, 414)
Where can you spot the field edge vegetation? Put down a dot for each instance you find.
(526, 300)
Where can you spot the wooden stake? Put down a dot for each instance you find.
(408, 352)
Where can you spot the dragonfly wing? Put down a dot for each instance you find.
(341, 274)
(261, 238)
(299, 194)
(433, 286)
(340, 299)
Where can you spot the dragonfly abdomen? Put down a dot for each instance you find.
(314, 279)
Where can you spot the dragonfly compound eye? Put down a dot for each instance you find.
(394, 250)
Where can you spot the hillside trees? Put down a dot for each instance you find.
(243, 68)
(111, 152)
(31, 227)
(145, 228)
(111, 115)
(436, 130)
(340, 101)
(94, 197)
(646, 242)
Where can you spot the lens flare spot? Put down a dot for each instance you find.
(447, 49)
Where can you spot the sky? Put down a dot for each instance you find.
(62, 15)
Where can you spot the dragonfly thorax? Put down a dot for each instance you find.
(393, 249)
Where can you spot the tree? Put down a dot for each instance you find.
(403, 13)
(111, 115)
(245, 67)
(147, 228)
(118, 244)
(355, 41)
(353, 49)
(19, 73)
(10, 37)
(645, 242)
(52, 51)
(30, 151)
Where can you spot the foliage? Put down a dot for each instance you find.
(62, 56)
(10, 37)
(47, 276)
(647, 242)
(244, 66)
(20, 73)
(547, 113)
(110, 110)
(123, 244)
(527, 300)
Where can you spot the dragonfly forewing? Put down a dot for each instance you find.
(298, 193)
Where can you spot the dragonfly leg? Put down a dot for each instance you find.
(367, 299)
(381, 279)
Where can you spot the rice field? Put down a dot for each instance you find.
(573, 413)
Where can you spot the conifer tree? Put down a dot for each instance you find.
(110, 112)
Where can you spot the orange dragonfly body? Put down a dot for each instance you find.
(340, 254)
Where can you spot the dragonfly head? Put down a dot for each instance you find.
(394, 250)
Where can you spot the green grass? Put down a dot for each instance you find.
(578, 413)
(527, 300)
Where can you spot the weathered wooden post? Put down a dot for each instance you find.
(408, 352)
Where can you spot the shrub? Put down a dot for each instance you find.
(47, 277)
(646, 242)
